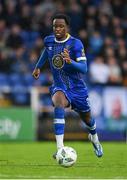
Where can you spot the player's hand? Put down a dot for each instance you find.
(66, 56)
(36, 73)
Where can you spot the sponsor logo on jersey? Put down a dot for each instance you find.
(50, 48)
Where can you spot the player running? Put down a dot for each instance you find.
(67, 63)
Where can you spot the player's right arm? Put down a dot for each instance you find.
(78, 64)
(40, 63)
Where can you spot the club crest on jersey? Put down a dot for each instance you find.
(58, 61)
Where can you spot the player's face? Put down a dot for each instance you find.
(60, 29)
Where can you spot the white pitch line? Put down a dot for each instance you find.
(20, 176)
(6, 176)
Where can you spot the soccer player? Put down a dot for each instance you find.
(67, 63)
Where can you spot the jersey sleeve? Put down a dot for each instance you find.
(79, 51)
(43, 57)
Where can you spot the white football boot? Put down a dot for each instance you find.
(97, 146)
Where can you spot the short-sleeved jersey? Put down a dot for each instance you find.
(64, 77)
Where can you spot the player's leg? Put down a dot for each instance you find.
(93, 137)
(60, 102)
(80, 103)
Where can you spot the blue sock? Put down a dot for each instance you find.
(91, 126)
(59, 122)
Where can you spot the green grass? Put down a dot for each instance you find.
(34, 160)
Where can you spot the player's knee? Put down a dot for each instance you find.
(59, 100)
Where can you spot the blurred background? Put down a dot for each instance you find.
(26, 111)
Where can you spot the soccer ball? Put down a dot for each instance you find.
(66, 156)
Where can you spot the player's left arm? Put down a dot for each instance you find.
(79, 64)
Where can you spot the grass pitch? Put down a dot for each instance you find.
(34, 160)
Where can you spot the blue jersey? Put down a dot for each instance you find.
(67, 77)
(63, 75)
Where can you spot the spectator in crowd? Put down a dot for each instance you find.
(96, 42)
(124, 72)
(14, 38)
(114, 71)
(99, 71)
(75, 13)
(20, 57)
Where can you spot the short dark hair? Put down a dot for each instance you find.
(62, 16)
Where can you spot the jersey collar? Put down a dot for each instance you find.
(68, 36)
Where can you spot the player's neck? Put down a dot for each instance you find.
(63, 39)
